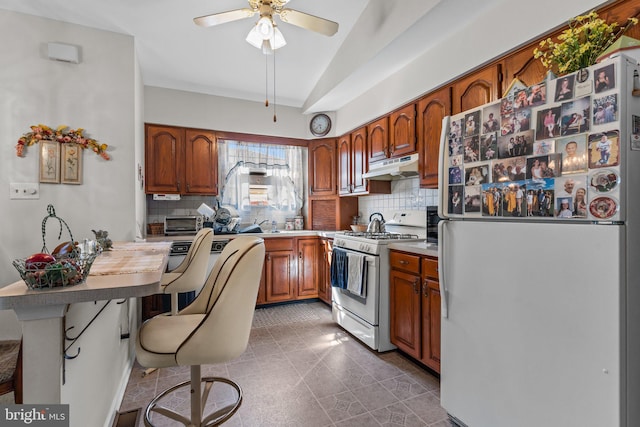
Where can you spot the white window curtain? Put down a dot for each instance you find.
(261, 175)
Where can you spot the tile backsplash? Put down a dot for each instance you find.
(405, 194)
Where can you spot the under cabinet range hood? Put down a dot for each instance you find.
(391, 169)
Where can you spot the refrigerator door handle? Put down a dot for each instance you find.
(444, 306)
(442, 187)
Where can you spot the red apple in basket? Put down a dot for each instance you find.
(37, 261)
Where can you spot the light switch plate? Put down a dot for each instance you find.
(24, 190)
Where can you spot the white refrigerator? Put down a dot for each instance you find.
(540, 307)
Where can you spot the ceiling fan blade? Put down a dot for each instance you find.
(309, 22)
(223, 17)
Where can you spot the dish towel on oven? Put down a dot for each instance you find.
(357, 276)
(339, 266)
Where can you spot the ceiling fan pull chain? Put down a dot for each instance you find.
(266, 81)
(274, 87)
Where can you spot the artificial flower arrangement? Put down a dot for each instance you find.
(581, 44)
(63, 135)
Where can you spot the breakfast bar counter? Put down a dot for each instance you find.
(129, 270)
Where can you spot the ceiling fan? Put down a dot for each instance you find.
(265, 35)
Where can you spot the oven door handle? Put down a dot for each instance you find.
(444, 306)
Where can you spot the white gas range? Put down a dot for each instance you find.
(366, 315)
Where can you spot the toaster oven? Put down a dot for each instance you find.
(174, 225)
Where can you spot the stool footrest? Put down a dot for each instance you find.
(216, 418)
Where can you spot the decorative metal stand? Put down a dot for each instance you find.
(65, 348)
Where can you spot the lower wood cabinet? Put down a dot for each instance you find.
(415, 307)
(291, 270)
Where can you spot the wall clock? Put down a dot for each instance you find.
(320, 124)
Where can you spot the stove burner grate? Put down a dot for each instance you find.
(380, 236)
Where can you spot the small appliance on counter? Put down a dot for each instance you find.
(175, 225)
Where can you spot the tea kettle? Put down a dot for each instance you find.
(376, 225)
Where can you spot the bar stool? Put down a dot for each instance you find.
(190, 274)
(214, 328)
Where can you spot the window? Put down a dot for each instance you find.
(262, 181)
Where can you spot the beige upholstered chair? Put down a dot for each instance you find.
(190, 274)
(214, 328)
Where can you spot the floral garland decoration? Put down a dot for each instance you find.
(63, 135)
(580, 45)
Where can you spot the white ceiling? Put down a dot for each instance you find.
(313, 72)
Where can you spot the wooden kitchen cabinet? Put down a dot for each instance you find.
(359, 163)
(405, 302)
(180, 160)
(353, 163)
(478, 88)
(431, 109)
(279, 270)
(309, 267)
(378, 140)
(431, 314)
(292, 269)
(323, 170)
(415, 307)
(523, 66)
(402, 131)
(324, 283)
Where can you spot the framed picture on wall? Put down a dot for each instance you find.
(49, 162)
(71, 165)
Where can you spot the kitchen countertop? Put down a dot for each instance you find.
(266, 235)
(420, 248)
(120, 273)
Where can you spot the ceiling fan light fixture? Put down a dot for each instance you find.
(254, 38)
(264, 26)
(278, 40)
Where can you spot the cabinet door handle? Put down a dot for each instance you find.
(178, 185)
(188, 187)
(425, 288)
(268, 257)
(416, 286)
(300, 254)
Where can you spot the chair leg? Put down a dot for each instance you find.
(197, 405)
(198, 402)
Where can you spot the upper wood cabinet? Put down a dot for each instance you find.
(322, 167)
(478, 88)
(402, 131)
(430, 111)
(201, 162)
(378, 139)
(344, 164)
(164, 159)
(180, 161)
(353, 163)
(359, 161)
(523, 66)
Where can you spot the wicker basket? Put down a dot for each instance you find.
(66, 270)
(155, 228)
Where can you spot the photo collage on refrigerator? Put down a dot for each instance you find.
(550, 150)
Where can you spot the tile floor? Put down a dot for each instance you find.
(301, 369)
